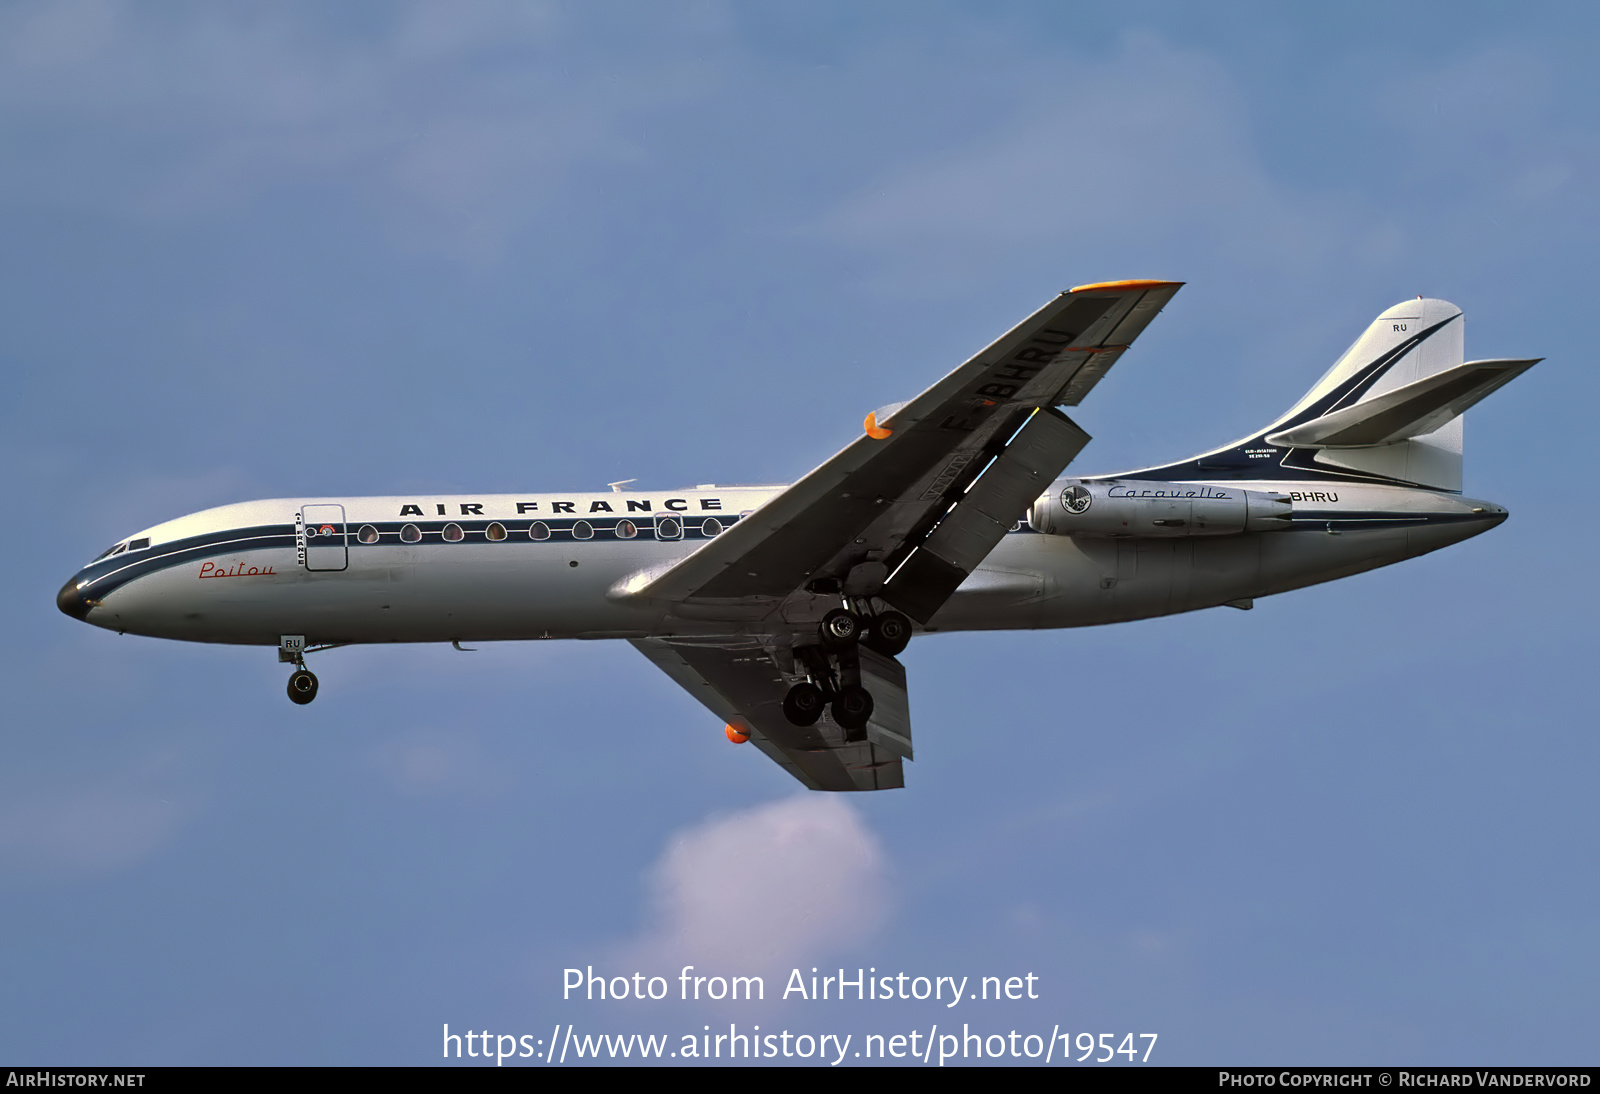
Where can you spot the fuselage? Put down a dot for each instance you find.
(534, 566)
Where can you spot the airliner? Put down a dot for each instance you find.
(784, 608)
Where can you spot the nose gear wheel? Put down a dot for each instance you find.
(302, 687)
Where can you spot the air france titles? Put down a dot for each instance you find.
(573, 508)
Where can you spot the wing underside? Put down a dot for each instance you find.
(739, 682)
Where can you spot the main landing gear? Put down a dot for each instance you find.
(302, 682)
(833, 669)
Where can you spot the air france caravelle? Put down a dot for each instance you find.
(783, 608)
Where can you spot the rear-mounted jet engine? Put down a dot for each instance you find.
(1134, 507)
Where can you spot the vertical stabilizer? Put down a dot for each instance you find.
(1407, 343)
(1388, 411)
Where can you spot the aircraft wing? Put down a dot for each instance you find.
(738, 681)
(908, 510)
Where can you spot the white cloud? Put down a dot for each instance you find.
(764, 889)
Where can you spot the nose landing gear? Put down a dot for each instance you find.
(302, 687)
(302, 682)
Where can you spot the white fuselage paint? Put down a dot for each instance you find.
(244, 579)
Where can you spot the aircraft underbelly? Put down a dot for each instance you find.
(1090, 581)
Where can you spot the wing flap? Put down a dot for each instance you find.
(890, 727)
(932, 570)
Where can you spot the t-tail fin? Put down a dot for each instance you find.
(1409, 342)
(1389, 410)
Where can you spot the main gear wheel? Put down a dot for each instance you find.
(889, 635)
(804, 704)
(852, 709)
(840, 629)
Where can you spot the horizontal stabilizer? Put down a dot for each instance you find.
(1409, 411)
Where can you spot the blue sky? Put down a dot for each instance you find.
(293, 250)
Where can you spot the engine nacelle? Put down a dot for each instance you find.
(1134, 507)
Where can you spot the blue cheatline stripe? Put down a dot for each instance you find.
(1357, 522)
(101, 577)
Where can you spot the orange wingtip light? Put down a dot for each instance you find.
(1126, 285)
(874, 430)
(735, 734)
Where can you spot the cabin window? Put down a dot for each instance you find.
(668, 528)
(411, 534)
(495, 532)
(583, 530)
(626, 529)
(139, 544)
(538, 530)
(368, 534)
(711, 527)
(453, 533)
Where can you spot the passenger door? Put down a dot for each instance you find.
(320, 530)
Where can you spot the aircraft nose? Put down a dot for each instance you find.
(71, 601)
